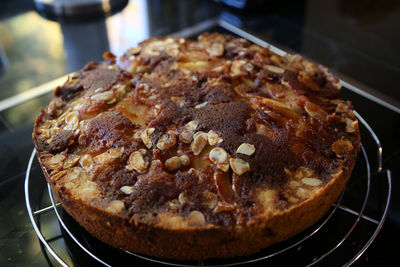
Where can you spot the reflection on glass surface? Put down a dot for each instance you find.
(128, 28)
(34, 47)
(78, 11)
(84, 43)
(26, 112)
(40, 50)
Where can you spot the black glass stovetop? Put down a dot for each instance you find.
(340, 236)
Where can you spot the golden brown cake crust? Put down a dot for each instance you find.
(197, 149)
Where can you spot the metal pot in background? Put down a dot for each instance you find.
(78, 10)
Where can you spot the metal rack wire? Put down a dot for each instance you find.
(293, 244)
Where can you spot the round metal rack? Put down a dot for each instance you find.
(89, 245)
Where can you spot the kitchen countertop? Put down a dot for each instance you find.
(358, 39)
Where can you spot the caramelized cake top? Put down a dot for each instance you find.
(186, 134)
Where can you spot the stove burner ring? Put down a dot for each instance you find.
(266, 254)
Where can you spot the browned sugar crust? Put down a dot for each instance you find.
(197, 149)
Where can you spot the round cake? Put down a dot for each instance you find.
(200, 149)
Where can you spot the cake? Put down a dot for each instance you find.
(191, 150)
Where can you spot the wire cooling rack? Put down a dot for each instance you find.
(338, 231)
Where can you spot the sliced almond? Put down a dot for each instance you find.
(71, 161)
(199, 142)
(61, 119)
(75, 173)
(267, 198)
(126, 189)
(196, 218)
(98, 90)
(342, 107)
(150, 131)
(86, 162)
(115, 153)
(191, 125)
(211, 199)
(292, 199)
(223, 166)
(115, 206)
(134, 50)
(104, 158)
(88, 190)
(55, 162)
(307, 79)
(246, 149)
(236, 68)
(120, 90)
(351, 126)
(57, 176)
(311, 181)
(303, 192)
(248, 67)
(186, 136)
(166, 141)
(44, 129)
(261, 129)
(315, 111)
(202, 105)
(196, 134)
(173, 164)
(72, 121)
(294, 184)
(239, 166)
(213, 138)
(143, 151)
(183, 199)
(172, 221)
(173, 205)
(55, 106)
(145, 135)
(304, 172)
(137, 135)
(185, 160)
(275, 69)
(103, 96)
(216, 49)
(82, 139)
(341, 147)
(136, 161)
(54, 130)
(218, 155)
(223, 206)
